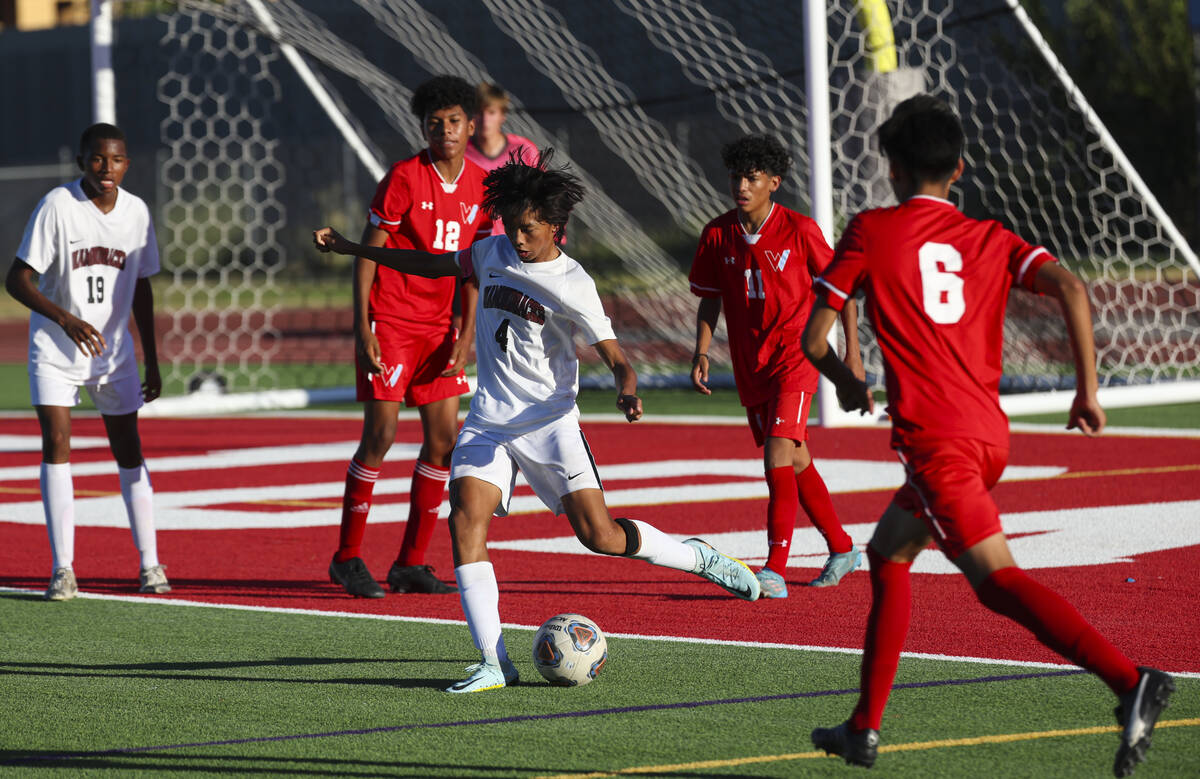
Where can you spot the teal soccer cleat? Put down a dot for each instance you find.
(486, 676)
(837, 566)
(772, 584)
(727, 572)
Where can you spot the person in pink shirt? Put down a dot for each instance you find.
(490, 146)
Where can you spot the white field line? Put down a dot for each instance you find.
(515, 626)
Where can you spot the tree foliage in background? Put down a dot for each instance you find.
(1133, 60)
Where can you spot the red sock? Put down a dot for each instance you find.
(814, 498)
(887, 628)
(1056, 623)
(781, 516)
(356, 504)
(424, 500)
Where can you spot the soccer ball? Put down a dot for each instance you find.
(569, 650)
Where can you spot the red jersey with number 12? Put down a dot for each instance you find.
(418, 209)
(764, 281)
(937, 285)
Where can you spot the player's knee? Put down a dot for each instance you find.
(617, 537)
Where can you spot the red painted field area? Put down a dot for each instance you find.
(1153, 617)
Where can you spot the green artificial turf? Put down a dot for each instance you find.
(342, 696)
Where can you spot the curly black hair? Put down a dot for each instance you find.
(444, 92)
(99, 132)
(924, 136)
(520, 185)
(752, 153)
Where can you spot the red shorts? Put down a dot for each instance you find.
(413, 359)
(783, 416)
(948, 487)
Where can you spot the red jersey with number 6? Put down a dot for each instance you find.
(765, 282)
(937, 285)
(418, 209)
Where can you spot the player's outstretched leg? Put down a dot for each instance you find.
(1137, 713)
(855, 747)
(729, 573)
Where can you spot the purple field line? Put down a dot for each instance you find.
(533, 717)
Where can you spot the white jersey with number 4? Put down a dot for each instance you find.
(89, 263)
(525, 322)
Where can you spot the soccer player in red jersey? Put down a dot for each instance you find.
(407, 348)
(758, 261)
(937, 283)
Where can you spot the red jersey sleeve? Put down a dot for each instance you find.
(705, 276)
(819, 253)
(392, 199)
(848, 269)
(1024, 260)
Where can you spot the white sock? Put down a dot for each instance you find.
(480, 596)
(58, 501)
(139, 504)
(658, 548)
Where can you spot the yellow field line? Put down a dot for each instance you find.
(38, 491)
(915, 746)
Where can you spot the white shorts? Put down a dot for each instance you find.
(113, 395)
(555, 460)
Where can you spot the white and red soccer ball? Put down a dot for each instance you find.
(569, 650)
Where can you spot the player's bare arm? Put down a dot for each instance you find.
(1056, 281)
(143, 318)
(853, 394)
(461, 355)
(707, 314)
(21, 284)
(365, 343)
(853, 357)
(625, 376)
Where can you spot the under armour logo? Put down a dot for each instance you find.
(461, 379)
(778, 260)
(360, 508)
(730, 261)
(426, 205)
(468, 214)
(779, 420)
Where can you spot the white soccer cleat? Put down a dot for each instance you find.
(154, 580)
(62, 585)
(729, 573)
(486, 676)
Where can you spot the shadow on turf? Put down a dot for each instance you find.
(274, 766)
(163, 671)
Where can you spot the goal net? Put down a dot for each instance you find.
(638, 96)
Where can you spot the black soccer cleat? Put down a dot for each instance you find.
(355, 578)
(859, 748)
(417, 578)
(1137, 712)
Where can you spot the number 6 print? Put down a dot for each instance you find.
(941, 286)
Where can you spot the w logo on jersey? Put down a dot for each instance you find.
(468, 214)
(778, 260)
(392, 375)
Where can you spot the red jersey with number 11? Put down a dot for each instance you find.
(764, 281)
(937, 285)
(418, 209)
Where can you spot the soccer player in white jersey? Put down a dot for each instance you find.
(84, 264)
(532, 299)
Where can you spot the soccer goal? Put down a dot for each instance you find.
(279, 116)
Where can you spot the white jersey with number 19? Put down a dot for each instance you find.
(89, 263)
